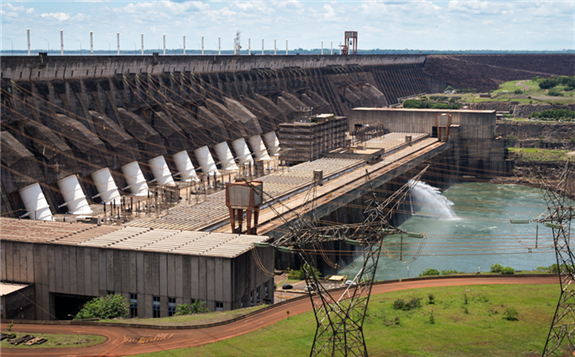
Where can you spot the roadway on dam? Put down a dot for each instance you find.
(345, 181)
(125, 340)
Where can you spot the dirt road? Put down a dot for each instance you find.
(122, 341)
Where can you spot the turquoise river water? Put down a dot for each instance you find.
(467, 228)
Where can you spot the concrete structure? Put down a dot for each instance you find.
(306, 139)
(75, 115)
(68, 264)
(17, 301)
(476, 150)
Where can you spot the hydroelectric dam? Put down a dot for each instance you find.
(113, 167)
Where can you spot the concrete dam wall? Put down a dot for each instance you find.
(65, 116)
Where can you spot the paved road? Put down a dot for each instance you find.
(122, 341)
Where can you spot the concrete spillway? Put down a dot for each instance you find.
(84, 114)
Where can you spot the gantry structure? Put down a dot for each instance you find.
(340, 315)
(559, 216)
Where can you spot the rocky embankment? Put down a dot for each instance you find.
(527, 174)
(538, 134)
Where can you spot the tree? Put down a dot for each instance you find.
(449, 88)
(196, 307)
(496, 268)
(430, 272)
(108, 307)
(548, 83)
(299, 274)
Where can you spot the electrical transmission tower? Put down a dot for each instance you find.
(559, 215)
(340, 318)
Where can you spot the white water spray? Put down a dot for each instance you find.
(426, 200)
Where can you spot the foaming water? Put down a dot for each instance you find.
(427, 201)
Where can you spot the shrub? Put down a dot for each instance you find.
(511, 314)
(431, 299)
(399, 304)
(430, 272)
(448, 272)
(299, 274)
(512, 138)
(518, 91)
(196, 307)
(465, 299)
(431, 318)
(508, 271)
(555, 93)
(496, 268)
(108, 307)
(414, 303)
(548, 83)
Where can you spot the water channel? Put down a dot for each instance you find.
(467, 228)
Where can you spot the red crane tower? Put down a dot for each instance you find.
(350, 45)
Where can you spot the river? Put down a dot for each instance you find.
(468, 229)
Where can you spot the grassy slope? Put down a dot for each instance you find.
(194, 319)
(58, 340)
(506, 92)
(480, 332)
(534, 154)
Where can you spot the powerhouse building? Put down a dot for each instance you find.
(63, 265)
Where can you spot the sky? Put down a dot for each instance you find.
(417, 24)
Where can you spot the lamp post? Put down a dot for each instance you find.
(48, 44)
(11, 45)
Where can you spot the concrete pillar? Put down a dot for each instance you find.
(340, 48)
(287, 53)
(28, 34)
(322, 47)
(62, 42)
(164, 44)
(184, 44)
(331, 48)
(142, 44)
(275, 47)
(118, 40)
(91, 43)
(262, 46)
(219, 45)
(202, 45)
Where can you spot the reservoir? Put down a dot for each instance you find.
(467, 228)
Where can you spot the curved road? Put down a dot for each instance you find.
(122, 341)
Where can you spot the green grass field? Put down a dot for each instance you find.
(506, 93)
(475, 328)
(533, 154)
(57, 340)
(194, 319)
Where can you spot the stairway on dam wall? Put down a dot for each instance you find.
(65, 121)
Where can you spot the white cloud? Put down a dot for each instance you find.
(416, 24)
(60, 16)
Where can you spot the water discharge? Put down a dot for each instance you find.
(426, 200)
(468, 229)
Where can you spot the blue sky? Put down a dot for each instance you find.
(424, 25)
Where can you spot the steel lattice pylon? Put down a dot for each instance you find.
(340, 318)
(560, 213)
